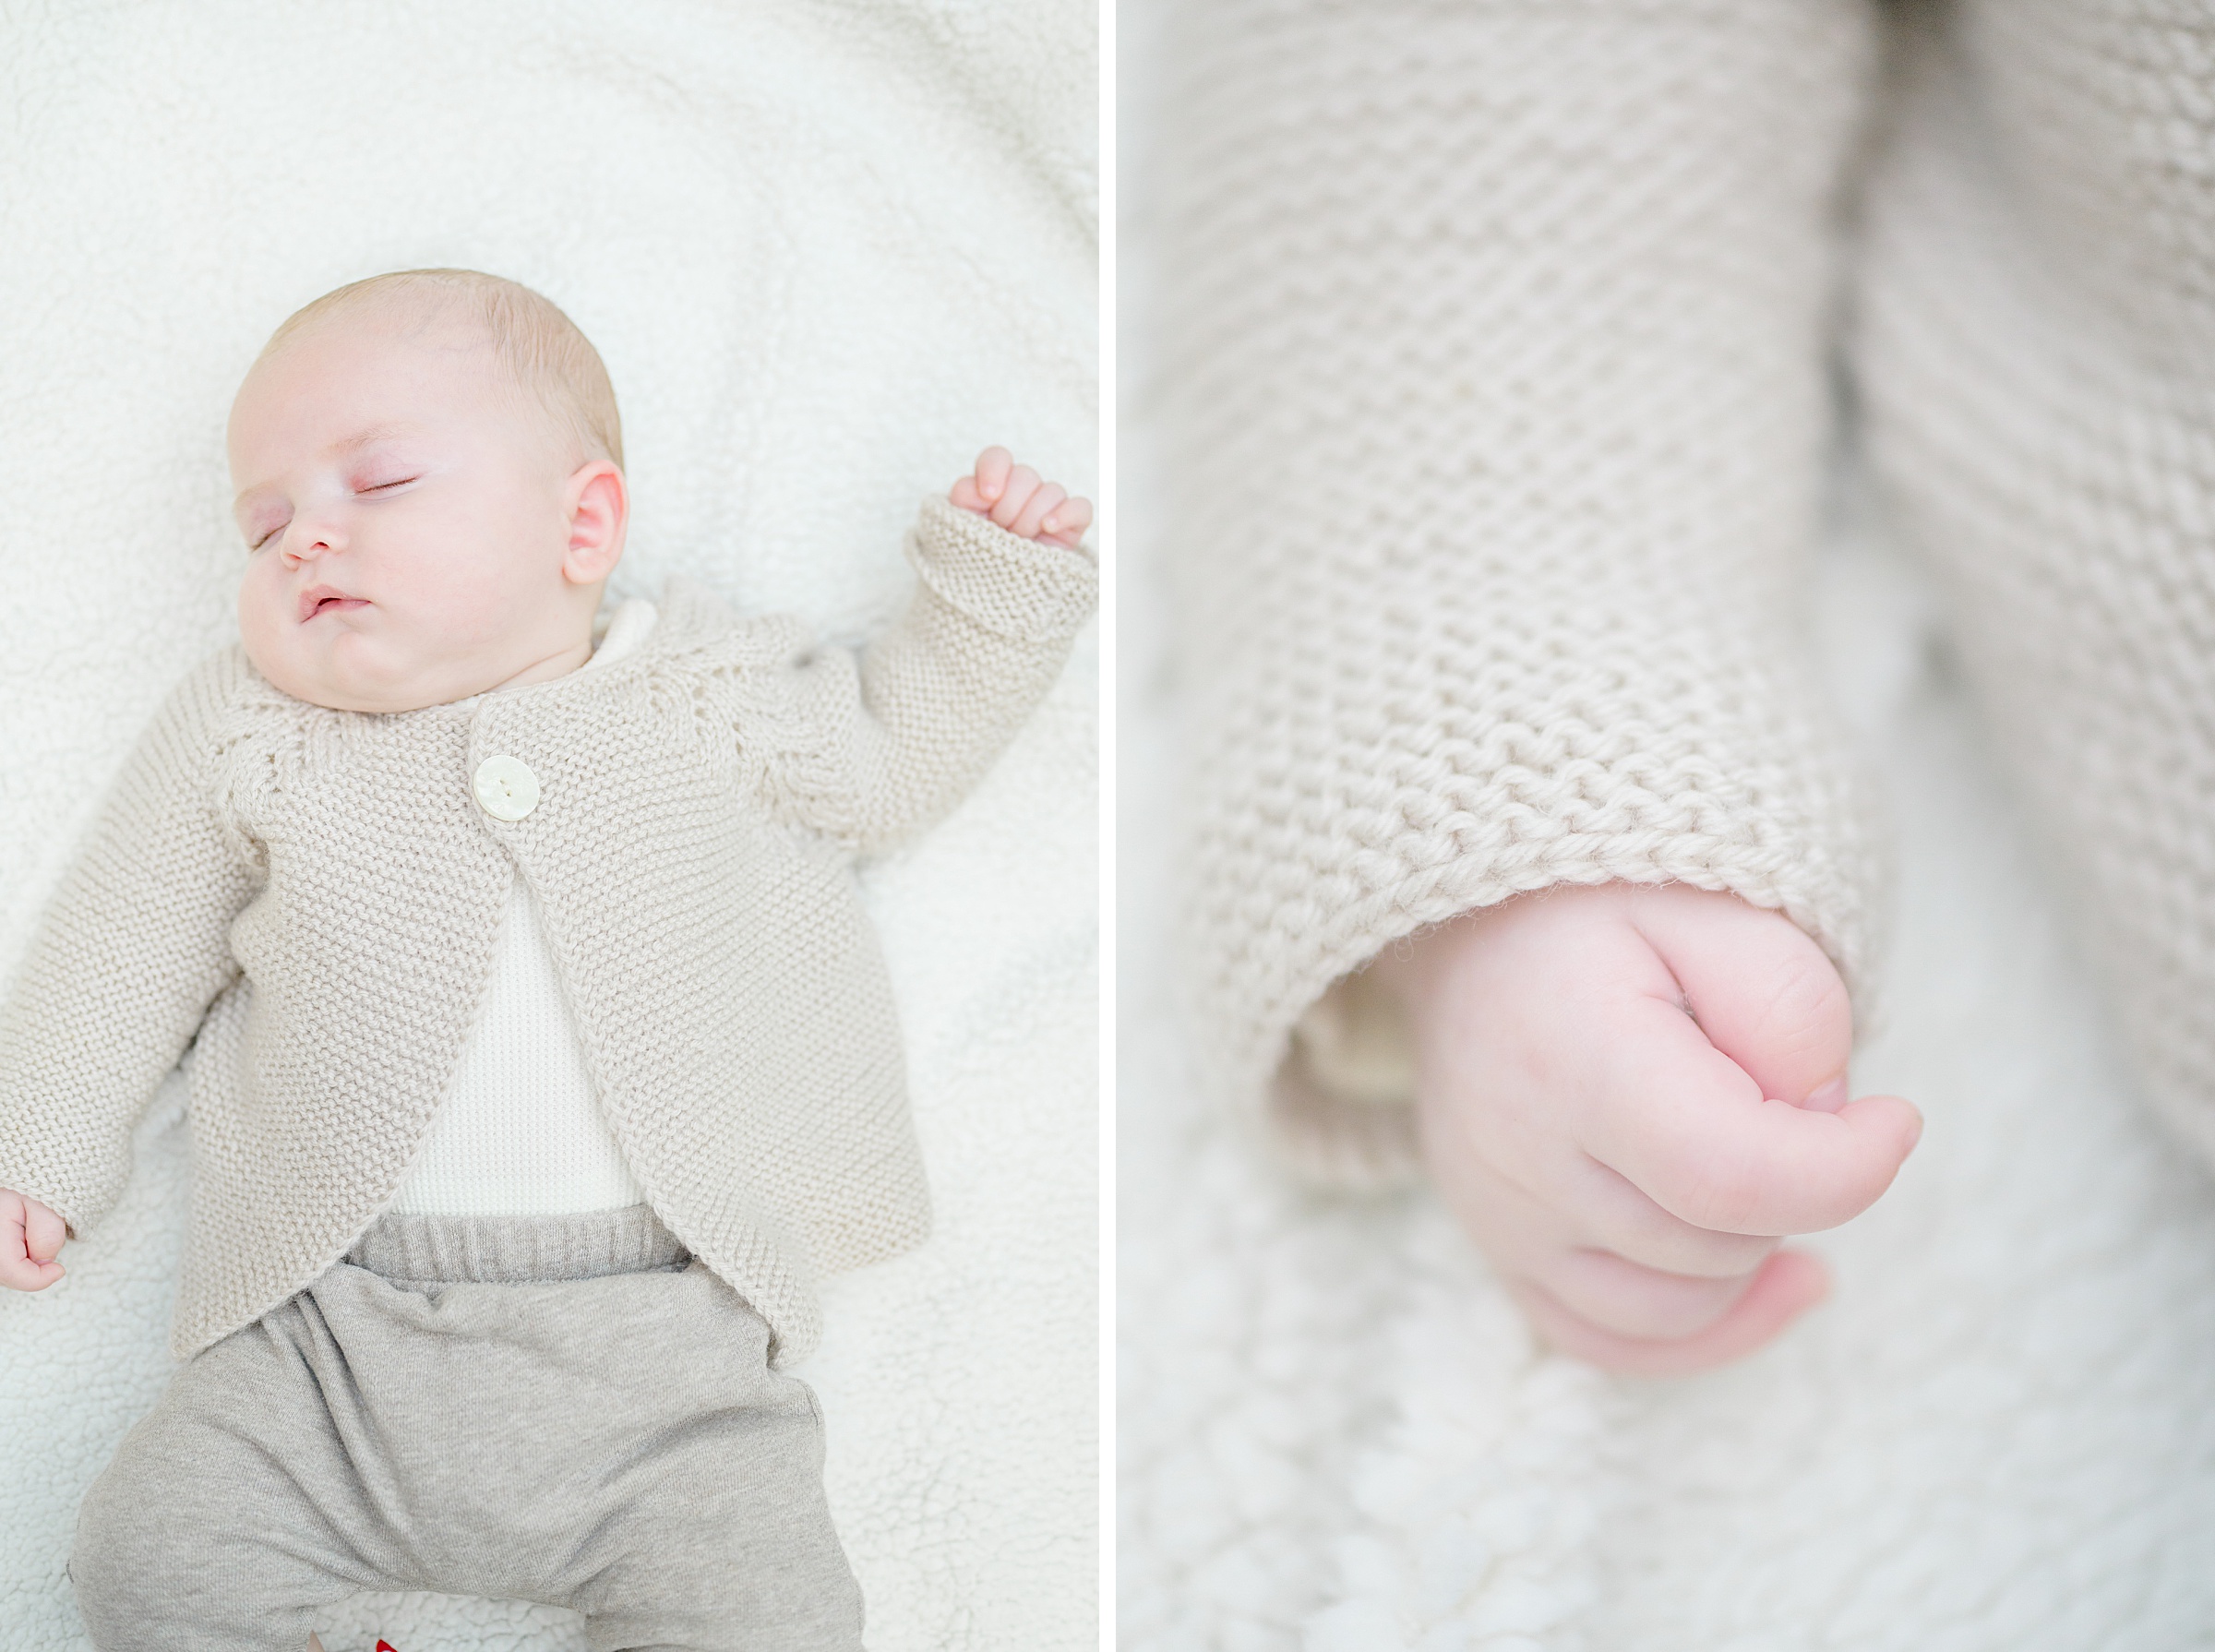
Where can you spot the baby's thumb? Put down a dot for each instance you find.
(1762, 992)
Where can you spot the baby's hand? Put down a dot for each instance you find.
(1013, 496)
(1627, 1093)
(31, 1238)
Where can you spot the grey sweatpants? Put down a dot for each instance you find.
(566, 1409)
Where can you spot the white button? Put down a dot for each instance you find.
(506, 787)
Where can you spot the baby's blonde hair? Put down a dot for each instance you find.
(547, 355)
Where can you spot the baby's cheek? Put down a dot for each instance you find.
(280, 648)
(262, 638)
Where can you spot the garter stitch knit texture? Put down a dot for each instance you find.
(315, 894)
(2035, 349)
(1513, 316)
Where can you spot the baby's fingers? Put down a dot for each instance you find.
(1686, 1125)
(1031, 520)
(26, 1261)
(1617, 1295)
(1761, 990)
(966, 494)
(992, 467)
(1788, 1284)
(21, 1274)
(43, 1231)
(1021, 483)
(1066, 524)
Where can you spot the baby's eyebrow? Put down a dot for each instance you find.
(238, 505)
(372, 434)
(367, 436)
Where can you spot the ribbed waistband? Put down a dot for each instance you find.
(415, 1249)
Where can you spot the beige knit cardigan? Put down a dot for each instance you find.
(310, 897)
(1496, 367)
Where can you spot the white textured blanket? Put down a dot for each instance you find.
(1336, 1434)
(828, 250)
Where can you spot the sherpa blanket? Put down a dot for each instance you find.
(829, 251)
(1336, 1434)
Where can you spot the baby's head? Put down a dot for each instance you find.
(428, 474)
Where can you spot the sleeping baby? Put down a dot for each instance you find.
(542, 1055)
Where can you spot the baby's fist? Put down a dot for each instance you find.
(1628, 1094)
(1013, 495)
(31, 1238)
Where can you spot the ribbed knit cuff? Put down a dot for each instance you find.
(1019, 588)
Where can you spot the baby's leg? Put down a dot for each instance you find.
(587, 1421)
(717, 1533)
(694, 1498)
(227, 1516)
(612, 1442)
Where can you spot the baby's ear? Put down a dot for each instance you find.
(598, 505)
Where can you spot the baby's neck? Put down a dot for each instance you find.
(555, 664)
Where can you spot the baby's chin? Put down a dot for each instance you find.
(349, 674)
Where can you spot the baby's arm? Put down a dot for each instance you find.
(901, 728)
(1542, 438)
(117, 977)
(1627, 1093)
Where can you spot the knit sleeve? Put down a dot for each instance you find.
(123, 963)
(891, 735)
(1494, 366)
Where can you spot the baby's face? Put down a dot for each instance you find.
(410, 519)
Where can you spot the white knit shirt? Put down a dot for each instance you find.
(521, 1130)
